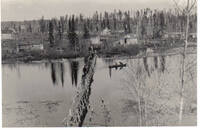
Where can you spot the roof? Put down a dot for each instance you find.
(106, 31)
(132, 36)
(8, 31)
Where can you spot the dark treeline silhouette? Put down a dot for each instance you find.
(146, 23)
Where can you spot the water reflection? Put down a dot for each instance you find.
(58, 72)
(74, 67)
(162, 63)
(110, 72)
(108, 61)
(62, 72)
(156, 62)
(146, 65)
(53, 73)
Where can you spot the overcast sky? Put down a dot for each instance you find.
(19, 10)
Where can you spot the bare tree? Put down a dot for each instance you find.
(187, 10)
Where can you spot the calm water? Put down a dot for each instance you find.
(41, 94)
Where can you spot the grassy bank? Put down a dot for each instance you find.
(129, 50)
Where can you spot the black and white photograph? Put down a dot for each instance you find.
(99, 63)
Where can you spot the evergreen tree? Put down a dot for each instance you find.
(72, 36)
(62, 24)
(42, 25)
(86, 34)
(162, 24)
(114, 22)
(51, 31)
(30, 28)
(19, 28)
(59, 30)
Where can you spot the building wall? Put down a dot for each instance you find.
(128, 41)
(29, 47)
(6, 36)
(95, 40)
(37, 47)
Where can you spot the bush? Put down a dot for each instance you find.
(121, 50)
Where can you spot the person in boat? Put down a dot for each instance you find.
(121, 63)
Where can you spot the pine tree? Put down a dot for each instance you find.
(60, 30)
(72, 36)
(30, 28)
(51, 30)
(86, 34)
(42, 25)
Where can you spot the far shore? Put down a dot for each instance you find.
(169, 52)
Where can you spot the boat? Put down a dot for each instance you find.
(121, 65)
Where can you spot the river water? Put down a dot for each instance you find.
(41, 93)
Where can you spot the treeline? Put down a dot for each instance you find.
(145, 23)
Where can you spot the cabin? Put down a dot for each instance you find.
(29, 47)
(8, 34)
(105, 34)
(128, 40)
(95, 42)
(7, 50)
(174, 35)
(23, 28)
(59, 50)
(37, 47)
(192, 37)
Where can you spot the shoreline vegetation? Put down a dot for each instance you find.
(115, 53)
(117, 33)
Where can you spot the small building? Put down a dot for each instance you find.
(59, 49)
(174, 35)
(7, 50)
(95, 40)
(106, 32)
(37, 47)
(8, 34)
(193, 35)
(23, 28)
(128, 39)
(29, 47)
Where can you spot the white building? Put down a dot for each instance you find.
(106, 32)
(127, 40)
(95, 40)
(8, 36)
(30, 47)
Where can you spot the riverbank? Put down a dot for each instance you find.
(129, 51)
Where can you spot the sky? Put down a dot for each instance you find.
(20, 10)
